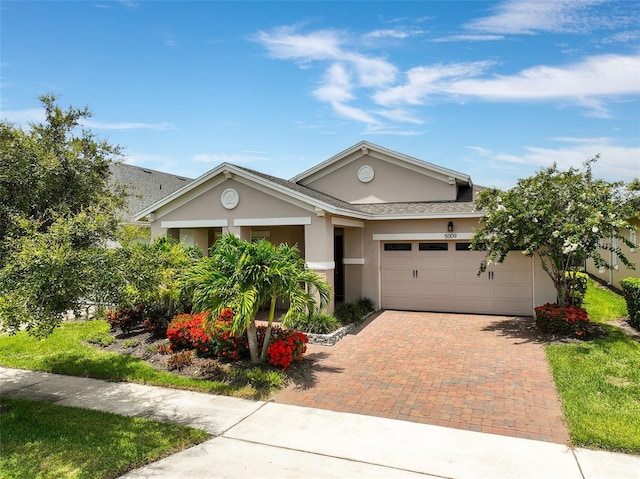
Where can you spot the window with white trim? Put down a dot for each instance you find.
(633, 237)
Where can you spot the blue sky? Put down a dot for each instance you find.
(495, 90)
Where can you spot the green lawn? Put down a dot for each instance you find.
(41, 440)
(602, 304)
(65, 352)
(599, 380)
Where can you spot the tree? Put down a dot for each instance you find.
(146, 275)
(563, 217)
(57, 208)
(244, 276)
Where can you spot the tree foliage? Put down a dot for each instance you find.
(146, 275)
(244, 276)
(57, 207)
(563, 217)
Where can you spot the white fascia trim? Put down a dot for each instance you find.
(421, 236)
(352, 260)
(186, 188)
(475, 214)
(195, 224)
(287, 221)
(346, 222)
(321, 265)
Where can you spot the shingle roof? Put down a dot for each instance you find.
(145, 186)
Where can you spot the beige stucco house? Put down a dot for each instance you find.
(372, 221)
(618, 269)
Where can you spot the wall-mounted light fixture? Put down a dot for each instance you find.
(450, 226)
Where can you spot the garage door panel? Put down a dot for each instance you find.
(472, 305)
(516, 307)
(428, 277)
(393, 274)
(448, 281)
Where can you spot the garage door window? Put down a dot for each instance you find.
(397, 246)
(463, 246)
(433, 246)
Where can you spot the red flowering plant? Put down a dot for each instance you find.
(225, 344)
(286, 346)
(551, 318)
(187, 331)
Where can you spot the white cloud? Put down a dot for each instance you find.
(398, 33)
(24, 117)
(399, 115)
(352, 76)
(468, 38)
(616, 162)
(422, 81)
(286, 44)
(585, 83)
(337, 85)
(531, 16)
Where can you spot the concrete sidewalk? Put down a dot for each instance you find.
(264, 439)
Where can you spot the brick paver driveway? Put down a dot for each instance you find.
(481, 373)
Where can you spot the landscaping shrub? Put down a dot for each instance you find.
(348, 313)
(130, 343)
(286, 347)
(551, 318)
(224, 344)
(102, 339)
(260, 379)
(631, 293)
(316, 323)
(188, 332)
(125, 319)
(180, 360)
(367, 305)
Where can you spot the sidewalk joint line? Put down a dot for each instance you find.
(340, 458)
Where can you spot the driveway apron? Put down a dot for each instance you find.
(473, 372)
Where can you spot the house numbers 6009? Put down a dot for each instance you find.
(450, 235)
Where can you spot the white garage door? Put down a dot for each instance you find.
(442, 276)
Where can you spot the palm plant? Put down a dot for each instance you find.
(243, 276)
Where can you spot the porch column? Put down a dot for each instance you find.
(318, 250)
(242, 232)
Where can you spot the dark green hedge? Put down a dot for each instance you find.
(631, 293)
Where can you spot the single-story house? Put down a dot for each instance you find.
(373, 222)
(618, 269)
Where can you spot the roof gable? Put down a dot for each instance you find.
(365, 148)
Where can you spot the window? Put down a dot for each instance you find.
(463, 246)
(633, 237)
(433, 246)
(397, 246)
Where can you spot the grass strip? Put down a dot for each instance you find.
(599, 380)
(65, 352)
(42, 440)
(599, 383)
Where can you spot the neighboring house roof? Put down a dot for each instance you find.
(463, 206)
(144, 186)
